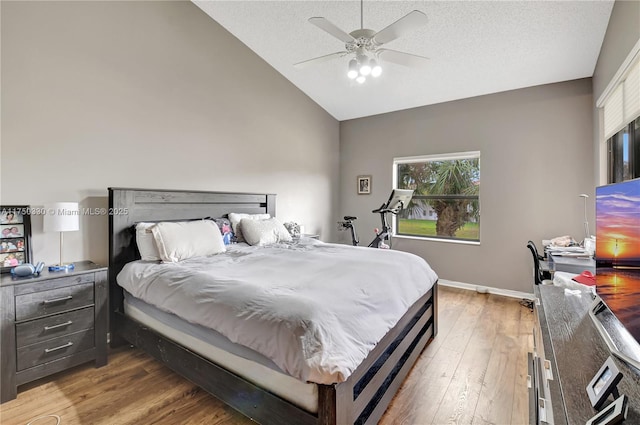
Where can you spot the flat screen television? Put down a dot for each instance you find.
(618, 267)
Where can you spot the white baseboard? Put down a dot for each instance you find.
(486, 289)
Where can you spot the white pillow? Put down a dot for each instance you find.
(146, 242)
(182, 240)
(235, 219)
(264, 232)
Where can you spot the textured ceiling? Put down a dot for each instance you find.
(475, 47)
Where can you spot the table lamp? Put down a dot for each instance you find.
(62, 217)
(586, 222)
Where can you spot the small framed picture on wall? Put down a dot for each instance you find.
(364, 185)
(15, 236)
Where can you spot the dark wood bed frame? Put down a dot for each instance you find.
(362, 399)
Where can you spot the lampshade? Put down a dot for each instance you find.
(62, 217)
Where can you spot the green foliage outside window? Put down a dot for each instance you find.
(446, 198)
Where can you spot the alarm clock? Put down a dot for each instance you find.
(24, 270)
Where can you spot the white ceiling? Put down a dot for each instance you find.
(475, 47)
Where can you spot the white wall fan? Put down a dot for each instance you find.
(365, 45)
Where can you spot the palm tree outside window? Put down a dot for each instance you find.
(446, 199)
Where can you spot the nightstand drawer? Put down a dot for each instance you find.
(55, 348)
(52, 322)
(56, 300)
(40, 330)
(49, 284)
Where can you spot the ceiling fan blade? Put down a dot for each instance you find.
(327, 26)
(320, 59)
(402, 58)
(407, 23)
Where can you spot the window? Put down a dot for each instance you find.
(446, 197)
(624, 153)
(621, 111)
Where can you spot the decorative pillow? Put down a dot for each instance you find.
(177, 241)
(146, 242)
(264, 232)
(293, 228)
(225, 230)
(235, 219)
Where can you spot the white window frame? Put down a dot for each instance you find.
(425, 158)
(607, 100)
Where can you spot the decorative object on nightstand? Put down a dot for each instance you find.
(62, 217)
(52, 322)
(15, 236)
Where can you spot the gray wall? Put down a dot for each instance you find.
(536, 158)
(152, 95)
(623, 32)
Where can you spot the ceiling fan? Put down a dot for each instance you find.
(365, 45)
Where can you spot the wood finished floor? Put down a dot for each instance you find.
(474, 372)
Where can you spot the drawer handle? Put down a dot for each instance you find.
(49, 350)
(547, 369)
(542, 409)
(57, 300)
(61, 325)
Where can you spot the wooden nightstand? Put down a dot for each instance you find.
(52, 322)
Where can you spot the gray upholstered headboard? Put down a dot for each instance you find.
(130, 206)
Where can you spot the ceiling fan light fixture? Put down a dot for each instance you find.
(376, 69)
(363, 61)
(364, 45)
(352, 73)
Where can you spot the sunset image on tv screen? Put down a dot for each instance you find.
(618, 251)
(618, 224)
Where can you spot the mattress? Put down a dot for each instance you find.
(315, 310)
(240, 360)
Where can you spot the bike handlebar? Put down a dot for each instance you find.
(383, 209)
(386, 210)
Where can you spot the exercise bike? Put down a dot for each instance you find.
(398, 200)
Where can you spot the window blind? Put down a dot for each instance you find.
(623, 104)
(632, 94)
(614, 112)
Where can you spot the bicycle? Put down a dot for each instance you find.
(397, 201)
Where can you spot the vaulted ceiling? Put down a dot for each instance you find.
(475, 47)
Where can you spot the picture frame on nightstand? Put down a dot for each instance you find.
(15, 236)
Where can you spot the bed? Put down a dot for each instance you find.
(361, 398)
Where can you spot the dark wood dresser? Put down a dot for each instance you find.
(50, 323)
(568, 351)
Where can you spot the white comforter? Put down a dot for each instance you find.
(315, 309)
